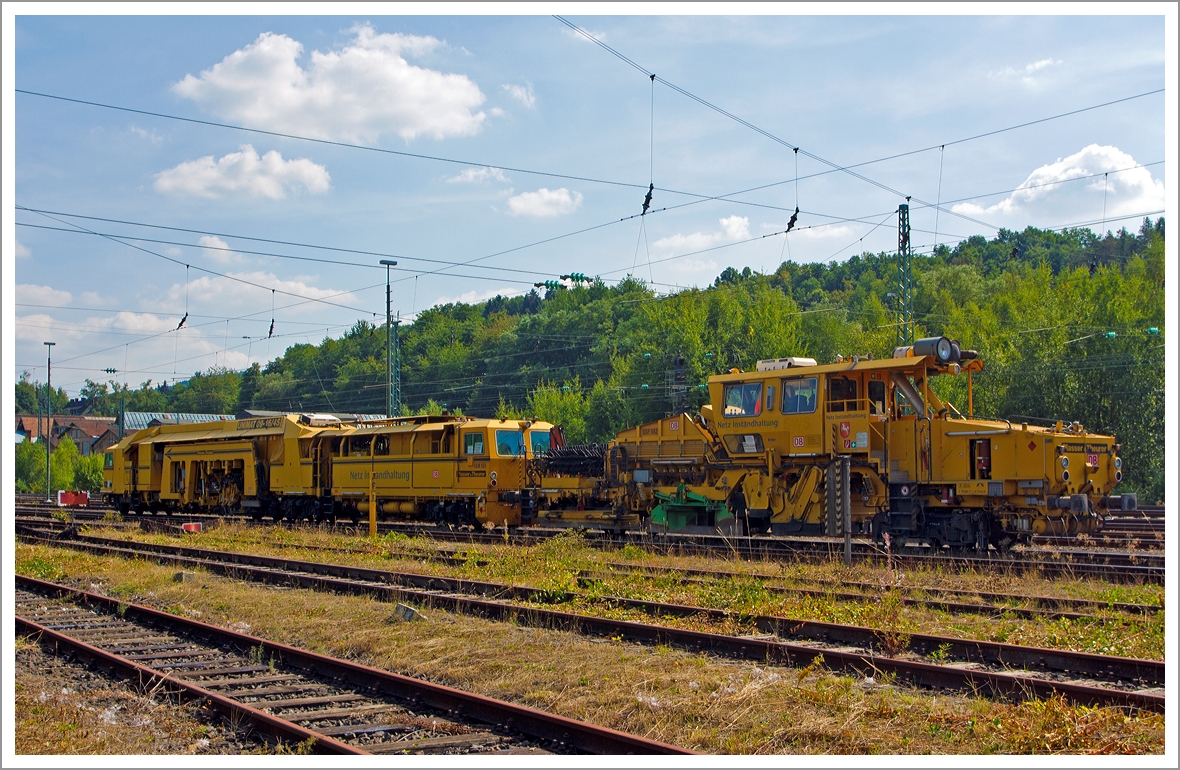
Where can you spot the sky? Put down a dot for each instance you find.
(488, 153)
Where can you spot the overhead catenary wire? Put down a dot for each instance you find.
(835, 166)
(692, 253)
(541, 242)
(700, 197)
(797, 176)
(202, 269)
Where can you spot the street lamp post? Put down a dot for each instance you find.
(388, 342)
(48, 413)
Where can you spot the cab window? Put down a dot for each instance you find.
(510, 443)
(877, 397)
(539, 441)
(108, 460)
(841, 394)
(743, 400)
(473, 443)
(381, 445)
(799, 396)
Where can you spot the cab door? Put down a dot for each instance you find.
(799, 404)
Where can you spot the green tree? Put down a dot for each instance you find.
(29, 467)
(26, 395)
(214, 392)
(566, 405)
(88, 473)
(62, 465)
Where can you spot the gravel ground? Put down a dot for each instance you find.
(65, 708)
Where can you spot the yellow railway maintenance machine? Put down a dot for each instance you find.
(766, 455)
(454, 470)
(273, 466)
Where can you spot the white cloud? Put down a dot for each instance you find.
(150, 134)
(579, 36)
(545, 202)
(355, 94)
(41, 295)
(690, 242)
(1026, 73)
(22, 250)
(471, 297)
(245, 173)
(217, 249)
(523, 94)
(692, 266)
(94, 298)
(734, 228)
(737, 228)
(480, 175)
(33, 328)
(824, 233)
(1041, 202)
(222, 292)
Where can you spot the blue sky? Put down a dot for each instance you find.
(510, 94)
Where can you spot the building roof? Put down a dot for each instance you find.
(90, 427)
(133, 421)
(31, 425)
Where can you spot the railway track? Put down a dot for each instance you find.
(1113, 565)
(935, 597)
(294, 695)
(1045, 606)
(1001, 670)
(1122, 565)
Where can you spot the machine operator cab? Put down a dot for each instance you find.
(799, 408)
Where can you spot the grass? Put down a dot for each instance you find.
(64, 709)
(707, 703)
(556, 566)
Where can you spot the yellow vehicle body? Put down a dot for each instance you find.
(765, 454)
(448, 469)
(254, 464)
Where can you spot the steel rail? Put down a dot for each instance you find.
(1110, 563)
(148, 678)
(427, 587)
(522, 719)
(967, 649)
(1039, 600)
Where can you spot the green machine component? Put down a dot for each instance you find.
(683, 509)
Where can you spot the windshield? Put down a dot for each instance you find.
(743, 400)
(510, 443)
(539, 439)
(799, 396)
